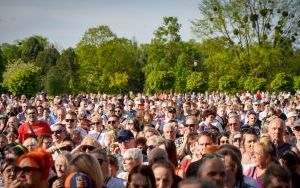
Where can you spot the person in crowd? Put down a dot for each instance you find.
(32, 170)
(109, 180)
(98, 131)
(113, 165)
(8, 173)
(277, 176)
(169, 131)
(264, 155)
(164, 172)
(32, 127)
(61, 165)
(131, 158)
(196, 183)
(223, 138)
(88, 165)
(141, 176)
(45, 141)
(248, 139)
(31, 144)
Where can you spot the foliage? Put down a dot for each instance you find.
(55, 83)
(68, 64)
(196, 82)
(21, 78)
(46, 59)
(228, 83)
(160, 81)
(31, 47)
(255, 84)
(11, 52)
(118, 81)
(282, 82)
(97, 35)
(296, 83)
(169, 31)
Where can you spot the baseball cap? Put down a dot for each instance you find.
(78, 179)
(172, 110)
(124, 136)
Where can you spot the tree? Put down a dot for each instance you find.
(31, 47)
(97, 35)
(297, 83)
(160, 81)
(55, 83)
(255, 84)
(11, 52)
(228, 83)
(68, 64)
(169, 31)
(46, 59)
(21, 78)
(282, 82)
(196, 82)
(245, 22)
(119, 82)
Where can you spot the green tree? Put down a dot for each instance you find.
(21, 78)
(11, 52)
(228, 83)
(97, 35)
(55, 83)
(169, 31)
(296, 83)
(119, 82)
(31, 47)
(46, 59)
(282, 82)
(68, 64)
(254, 84)
(160, 81)
(196, 82)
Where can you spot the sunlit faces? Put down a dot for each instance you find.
(259, 156)
(203, 142)
(249, 140)
(276, 129)
(233, 124)
(70, 121)
(60, 166)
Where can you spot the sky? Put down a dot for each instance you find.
(63, 22)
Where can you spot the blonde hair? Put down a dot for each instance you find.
(268, 147)
(89, 165)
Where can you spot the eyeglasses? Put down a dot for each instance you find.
(111, 122)
(190, 125)
(90, 148)
(66, 148)
(26, 169)
(57, 132)
(70, 120)
(101, 161)
(213, 155)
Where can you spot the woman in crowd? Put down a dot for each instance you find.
(248, 139)
(8, 172)
(87, 164)
(264, 154)
(164, 173)
(141, 176)
(223, 138)
(131, 158)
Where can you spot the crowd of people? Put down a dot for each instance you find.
(158, 141)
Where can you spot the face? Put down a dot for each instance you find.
(275, 130)
(231, 168)
(46, 143)
(278, 183)
(190, 126)
(60, 166)
(30, 145)
(29, 172)
(163, 177)
(129, 162)
(112, 122)
(213, 170)
(9, 174)
(251, 119)
(3, 142)
(250, 139)
(31, 115)
(70, 121)
(58, 133)
(224, 140)
(259, 156)
(210, 118)
(170, 133)
(296, 131)
(203, 143)
(233, 125)
(138, 181)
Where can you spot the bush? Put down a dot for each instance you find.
(228, 84)
(255, 84)
(282, 82)
(196, 82)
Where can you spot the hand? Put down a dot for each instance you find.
(58, 183)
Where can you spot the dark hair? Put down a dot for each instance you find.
(145, 171)
(250, 131)
(7, 162)
(171, 150)
(233, 148)
(197, 181)
(42, 137)
(278, 172)
(207, 113)
(224, 134)
(113, 161)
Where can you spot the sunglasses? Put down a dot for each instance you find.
(57, 132)
(111, 122)
(90, 148)
(70, 120)
(26, 169)
(66, 148)
(189, 125)
(117, 111)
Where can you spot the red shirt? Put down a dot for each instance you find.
(40, 128)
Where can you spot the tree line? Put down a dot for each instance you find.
(243, 45)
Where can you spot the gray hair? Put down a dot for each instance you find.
(135, 154)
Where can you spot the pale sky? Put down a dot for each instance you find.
(63, 22)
